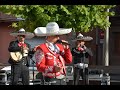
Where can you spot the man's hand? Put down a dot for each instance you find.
(34, 49)
(84, 47)
(65, 44)
(57, 69)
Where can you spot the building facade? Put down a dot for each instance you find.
(5, 38)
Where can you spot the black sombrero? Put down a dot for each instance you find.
(83, 38)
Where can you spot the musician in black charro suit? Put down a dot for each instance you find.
(19, 57)
(81, 55)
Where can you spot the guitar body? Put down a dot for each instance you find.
(16, 56)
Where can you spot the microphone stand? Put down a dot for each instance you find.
(33, 62)
(31, 53)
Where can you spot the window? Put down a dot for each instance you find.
(116, 46)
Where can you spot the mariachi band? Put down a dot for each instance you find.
(50, 57)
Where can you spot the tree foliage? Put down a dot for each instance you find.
(79, 17)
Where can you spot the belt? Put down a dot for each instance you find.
(57, 77)
(81, 65)
(49, 80)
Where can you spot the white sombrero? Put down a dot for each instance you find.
(84, 38)
(51, 28)
(28, 35)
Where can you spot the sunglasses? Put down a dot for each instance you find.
(80, 41)
(21, 36)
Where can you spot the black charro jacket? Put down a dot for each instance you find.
(80, 57)
(13, 47)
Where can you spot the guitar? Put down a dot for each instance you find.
(17, 56)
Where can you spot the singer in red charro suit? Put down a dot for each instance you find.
(50, 56)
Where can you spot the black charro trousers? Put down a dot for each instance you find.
(83, 73)
(19, 71)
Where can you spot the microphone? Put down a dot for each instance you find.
(60, 41)
(82, 46)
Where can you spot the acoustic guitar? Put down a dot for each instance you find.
(17, 56)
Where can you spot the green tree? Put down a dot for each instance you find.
(79, 17)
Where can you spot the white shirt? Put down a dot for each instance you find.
(53, 47)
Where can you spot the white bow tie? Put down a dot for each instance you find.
(51, 46)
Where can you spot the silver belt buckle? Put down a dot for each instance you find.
(81, 65)
(23, 63)
(60, 77)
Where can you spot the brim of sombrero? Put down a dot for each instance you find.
(88, 38)
(42, 31)
(28, 35)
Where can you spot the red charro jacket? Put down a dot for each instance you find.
(48, 59)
